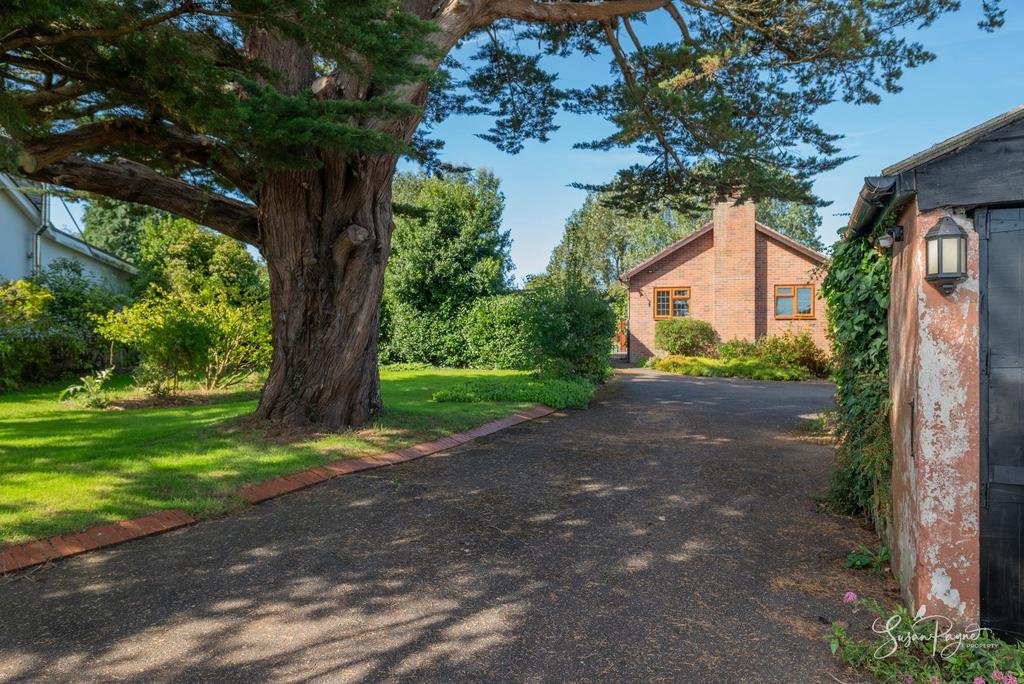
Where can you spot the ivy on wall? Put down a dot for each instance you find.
(857, 292)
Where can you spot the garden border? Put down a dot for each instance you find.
(39, 551)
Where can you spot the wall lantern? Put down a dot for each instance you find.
(946, 245)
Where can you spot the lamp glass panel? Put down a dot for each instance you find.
(963, 255)
(933, 257)
(950, 257)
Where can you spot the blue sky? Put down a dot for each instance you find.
(976, 76)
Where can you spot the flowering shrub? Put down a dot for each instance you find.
(922, 649)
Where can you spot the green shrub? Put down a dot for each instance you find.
(495, 333)
(89, 391)
(195, 336)
(739, 367)
(555, 392)
(412, 336)
(46, 327)
(789, 349)
(737, 348)
(686, 337)
(570, 327)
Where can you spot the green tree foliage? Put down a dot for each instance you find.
(856, 290)
(794, 220)
(449, 248)
(176, 254)
(448, 251)
(116, 226)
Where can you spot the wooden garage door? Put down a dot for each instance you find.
(1002, 461)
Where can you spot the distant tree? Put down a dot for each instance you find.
(793, 219)
(449, 248)
(601, 242)
(178, 255)
(116, 226)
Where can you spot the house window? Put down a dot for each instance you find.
(794, 301)
(671, 302)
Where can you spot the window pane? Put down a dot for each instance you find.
(803, 301)
(933, 257)
(680, 308)
(682, 293)
(781, 291)
(950, 259)
(661, 303)
(783, 306)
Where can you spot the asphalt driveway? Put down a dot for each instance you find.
(666, 534)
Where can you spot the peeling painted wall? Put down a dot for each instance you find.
(934, 377)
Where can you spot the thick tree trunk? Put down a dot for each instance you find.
(326, 236)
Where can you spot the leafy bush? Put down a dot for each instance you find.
(46, 327)
(736, 348)
(555, 392)
(686, 337)
(789, 349)
(739, 367)
(570, 328)
(183, 335)
(89, 392)
(495, 333)
(918, 650)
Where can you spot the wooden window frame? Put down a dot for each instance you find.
(671, 301)
(796, 316)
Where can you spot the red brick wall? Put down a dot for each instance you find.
(778, 264)
(735, 245)
(731, 286)
(692, 266)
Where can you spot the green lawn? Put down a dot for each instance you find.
(64, 468)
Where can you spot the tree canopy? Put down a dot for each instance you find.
(449, 247)
(185, 104)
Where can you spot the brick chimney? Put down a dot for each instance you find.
(735, 239)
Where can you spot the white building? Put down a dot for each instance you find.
(29, 242)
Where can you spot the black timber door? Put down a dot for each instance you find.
(1002, 418)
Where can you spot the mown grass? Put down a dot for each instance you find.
(557, 393)
(64, 468)
(739, 367)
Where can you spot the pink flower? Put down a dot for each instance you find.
(980, 680)
(1009, 679)
(998, 676)
(935, 680)
(849, 597)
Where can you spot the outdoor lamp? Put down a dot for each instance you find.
(946, 245)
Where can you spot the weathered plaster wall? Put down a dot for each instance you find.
(934, 364)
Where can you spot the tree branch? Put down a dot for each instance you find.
(113, 133)
(132, 182)
(567, 12)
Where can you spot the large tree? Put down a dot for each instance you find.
(280, 123)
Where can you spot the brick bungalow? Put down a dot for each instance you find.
(744, 278)
(956, 370)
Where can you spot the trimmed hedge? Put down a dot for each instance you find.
(686, 337)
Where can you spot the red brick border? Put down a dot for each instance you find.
(21, 556)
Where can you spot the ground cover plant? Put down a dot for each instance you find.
(741, 367)
(554, 391)
(65, 467)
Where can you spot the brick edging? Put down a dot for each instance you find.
(39, 551)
